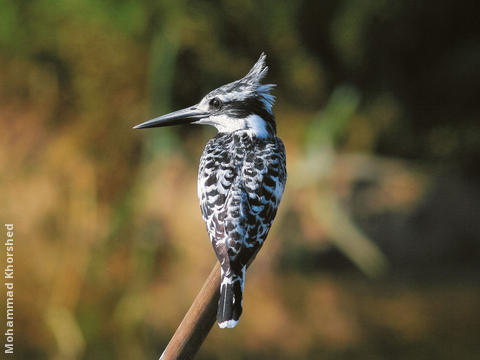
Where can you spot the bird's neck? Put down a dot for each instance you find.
(253, 125)
(256, 126)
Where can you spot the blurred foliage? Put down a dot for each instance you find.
(377, 103)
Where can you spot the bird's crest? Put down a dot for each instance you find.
(250, 84)
(254, 76)
(258, 71)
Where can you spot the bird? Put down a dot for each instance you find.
(241, 178)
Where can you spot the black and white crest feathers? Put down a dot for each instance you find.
(258, 71)
(249, 86)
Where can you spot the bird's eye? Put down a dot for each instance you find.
(216, 103)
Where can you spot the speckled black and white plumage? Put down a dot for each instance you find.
(241, 178)
(240, 183)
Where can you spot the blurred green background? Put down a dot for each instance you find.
(374, 253)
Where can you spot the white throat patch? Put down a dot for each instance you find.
(254, 124)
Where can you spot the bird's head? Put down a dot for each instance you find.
(244, 104)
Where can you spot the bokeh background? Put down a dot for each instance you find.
(374, 253)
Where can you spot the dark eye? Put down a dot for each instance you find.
(216, 103)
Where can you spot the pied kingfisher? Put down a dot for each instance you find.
(241, 177)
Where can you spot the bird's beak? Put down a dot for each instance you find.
(184, 116)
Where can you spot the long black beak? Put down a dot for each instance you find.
(185, 116)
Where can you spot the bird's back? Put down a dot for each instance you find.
(240, 183)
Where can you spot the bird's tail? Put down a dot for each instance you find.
(230, 303)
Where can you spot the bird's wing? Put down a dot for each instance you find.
(239, 203)
(216, 176)
(252, 202)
